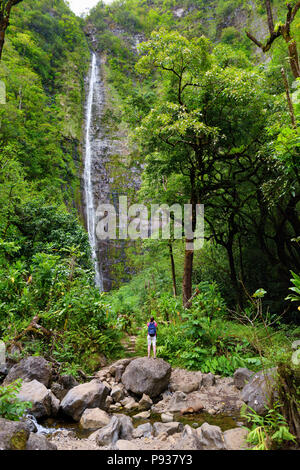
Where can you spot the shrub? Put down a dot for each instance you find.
(11, 407)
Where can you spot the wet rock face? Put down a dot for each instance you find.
(89, 395)
(261, 389)
(30, 368)
(147, 376)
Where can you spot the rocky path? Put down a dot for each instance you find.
(132, 404)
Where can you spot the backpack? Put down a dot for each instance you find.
(151, 329)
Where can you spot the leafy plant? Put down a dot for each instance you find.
(269, 431)
(10, 406)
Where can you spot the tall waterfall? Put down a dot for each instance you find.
(90, 207)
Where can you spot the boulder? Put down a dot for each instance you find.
(208, 380)
(13, 435)
(109, 434)
(130, 404)
(145, 403)
(94, 418)
(235, 439)
(185, 381)
(39, 442)
(147, 376)
(261, 389)
(63, 385)
(126, 427)
(119, 372)
(117, 393)
(30, 368)
(44, 403)
(166, 417)
(189, 440)
(210, 437)
(144, 430)
(142, 415)
(89, 395)
(168, 428)
(241, 377)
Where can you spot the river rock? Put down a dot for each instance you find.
(149, 376)
(142, 415)
(210, 437)
(168, 428)
(109, 434)
(130, 404)
(144, 430)
(13, 435)
(260, 390)
(39, 442)
(30, 368)
(208, 380)
(44, 403)
(145, 403)
(126, 427)
(117, 393)
(89, 395)
(185, 381)
(235, 439)
(189, 440)
(94, 418)
(241, 377)
(166, 417)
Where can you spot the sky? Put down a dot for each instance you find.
(81, 6)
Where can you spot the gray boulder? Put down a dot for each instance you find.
(235, 439)
(144, 430)
(260, 391)
(94, 418)
(145, 403)
(208, 380)
(210, 437)
(44, 403)
(63, 385)
(39, 442)
(109, 434)
(185, 381)
(149, 376)
(89, 395)
(126, 427)
(168, 428)
(241, 377)
(189, 440)
(13, 435)
(30, 368)
(117, 393)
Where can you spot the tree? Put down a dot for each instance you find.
(207, 125)
(283, 30)
(5, 8)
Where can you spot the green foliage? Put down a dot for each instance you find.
(10, 406)
(296, 281)
(270, 431)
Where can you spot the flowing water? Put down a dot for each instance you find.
(90, 156)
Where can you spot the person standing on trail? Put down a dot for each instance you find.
(152, 326)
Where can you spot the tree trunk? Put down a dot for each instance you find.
(173, 269)
(5, 7)
(187, 276)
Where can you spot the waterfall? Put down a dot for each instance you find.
(88, 172)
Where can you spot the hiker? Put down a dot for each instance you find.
(152, 326)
